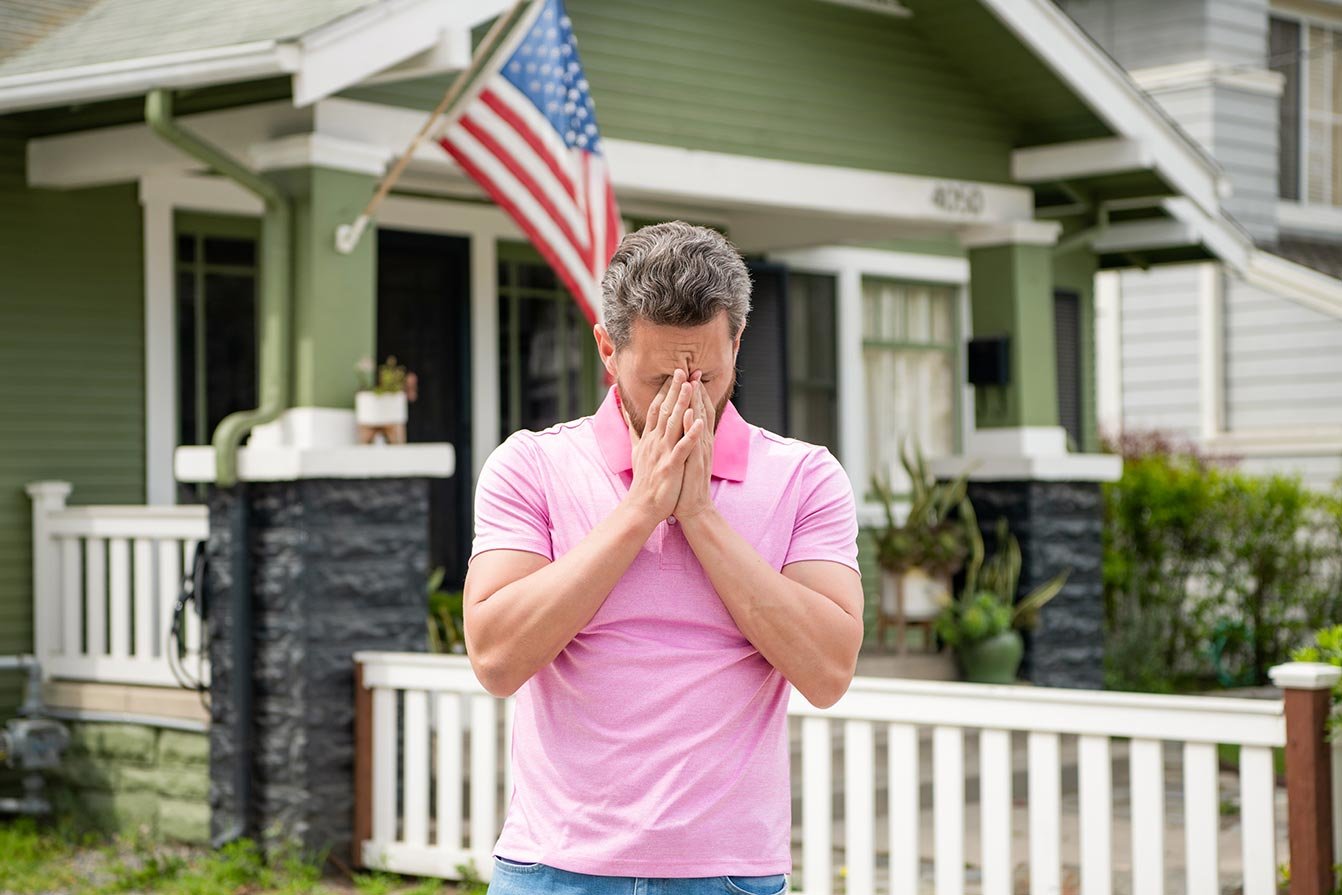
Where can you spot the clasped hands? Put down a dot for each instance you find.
(673, 458)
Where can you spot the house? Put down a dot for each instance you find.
(906, 176)
(1246, 362)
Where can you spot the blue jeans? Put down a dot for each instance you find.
(516, 878)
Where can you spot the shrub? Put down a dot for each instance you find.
(1211, 574)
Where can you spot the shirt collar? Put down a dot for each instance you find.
(731, 441)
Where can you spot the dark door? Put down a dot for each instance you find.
(761, 393)
(423, 317)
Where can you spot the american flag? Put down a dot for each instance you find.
(527, 134)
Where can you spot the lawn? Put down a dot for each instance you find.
(56, 859)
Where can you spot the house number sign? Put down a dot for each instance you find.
(958, 198)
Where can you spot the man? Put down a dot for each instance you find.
(651, 581)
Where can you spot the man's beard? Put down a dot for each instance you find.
(638, 419)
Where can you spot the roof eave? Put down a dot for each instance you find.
(91, 83)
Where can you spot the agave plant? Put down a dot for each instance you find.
(988, 607)
(935, 534)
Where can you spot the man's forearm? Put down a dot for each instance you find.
(808, 637)
(524, 625)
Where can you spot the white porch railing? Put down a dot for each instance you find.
(417, 713)
(105, 581)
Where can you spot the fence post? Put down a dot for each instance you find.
(1307, 697)
(363, 766)
(47, 498)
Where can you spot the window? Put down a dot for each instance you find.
(813, 393)
(547, 358)
(909, 351)
(1309, 56)
(216, 325)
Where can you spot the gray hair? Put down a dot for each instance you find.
(674, 274)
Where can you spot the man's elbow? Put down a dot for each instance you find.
(829, 692)
(493, 676)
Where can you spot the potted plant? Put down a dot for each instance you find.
(447, 628)
(919, 557)
(381, 405)
(984, 624)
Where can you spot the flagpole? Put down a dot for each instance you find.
(348, 235)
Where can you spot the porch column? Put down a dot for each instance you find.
(1011, 295)
(1020, 468)
(334, 295)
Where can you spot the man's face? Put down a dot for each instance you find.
(653, 354)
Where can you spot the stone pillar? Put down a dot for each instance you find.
(1017, 456)
(335, 562)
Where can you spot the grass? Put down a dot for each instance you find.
(58, 859)
(1228, 753)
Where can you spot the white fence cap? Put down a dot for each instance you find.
(1305, 675)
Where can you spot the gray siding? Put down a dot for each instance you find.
(1238, 127)
(1146, 33)
(1159, 355)
(1316, 470)
(1283, 363)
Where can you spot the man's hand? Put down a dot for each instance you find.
(695, 496)
(670, 435)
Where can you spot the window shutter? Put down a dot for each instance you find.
(761, 366)
(1067, 345)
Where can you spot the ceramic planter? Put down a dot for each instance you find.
(380, 409)
(994, 660)
(921, 593)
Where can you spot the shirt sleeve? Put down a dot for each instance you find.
(826, 524)
(511, 512)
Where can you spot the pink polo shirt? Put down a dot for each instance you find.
(656, 743)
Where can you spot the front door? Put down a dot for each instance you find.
(423, 318)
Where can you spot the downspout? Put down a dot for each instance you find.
(273, 365)
(273, 376)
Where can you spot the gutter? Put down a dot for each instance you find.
(273, 376)
(112, 80)
(275, 264)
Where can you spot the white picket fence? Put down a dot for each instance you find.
(105, 581)
(419, 717)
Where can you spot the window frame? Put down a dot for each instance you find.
(1306, 20)
(953, 349)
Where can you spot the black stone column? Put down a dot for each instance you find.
(336, 566)
(1059, 526)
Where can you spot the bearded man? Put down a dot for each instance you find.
(652, 581)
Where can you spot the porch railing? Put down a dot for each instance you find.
(425, 727)
(105, 582)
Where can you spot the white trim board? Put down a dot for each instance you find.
(368, 132)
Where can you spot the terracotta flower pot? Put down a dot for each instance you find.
(994, 660)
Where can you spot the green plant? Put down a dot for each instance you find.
(987, 605)
(934, 535)
(1327, 647)
(376, 882)
(1211, 575)
(384, 378)
(471, 883)
(447, 626)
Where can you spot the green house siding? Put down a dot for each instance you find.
(796, 80)
(71, 365)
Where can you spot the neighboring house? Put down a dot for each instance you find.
(905, 176)
(1246, 363)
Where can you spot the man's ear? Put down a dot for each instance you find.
(736, 345)
(605, 348)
